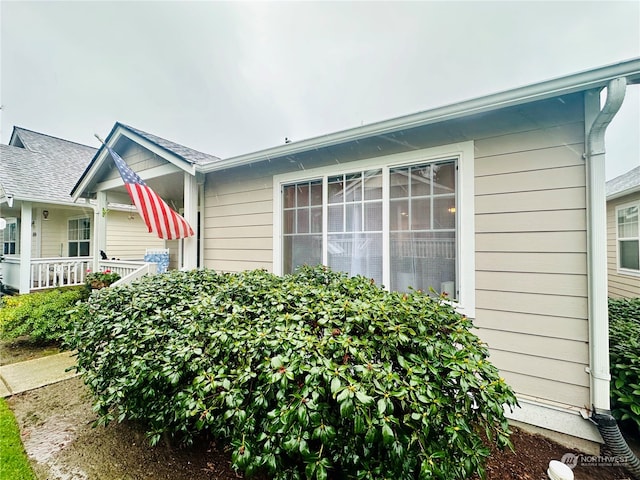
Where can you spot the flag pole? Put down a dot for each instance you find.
(101, 141)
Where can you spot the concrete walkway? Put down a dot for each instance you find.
(23, 376)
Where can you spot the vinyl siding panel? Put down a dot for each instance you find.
(138, 158)
(239, 221)
(621, 284)
(128, 237)
(531, 262)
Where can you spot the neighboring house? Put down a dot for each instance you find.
(623, 235)
(48, 240)
(492, 200)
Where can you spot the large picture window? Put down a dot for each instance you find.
(628, 231)
(395, 220)
(79, 237)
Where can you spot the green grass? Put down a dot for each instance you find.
(13, 460)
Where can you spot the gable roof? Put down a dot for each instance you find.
(189, 154)
(624, 184)
(36, 166)
(183, 157)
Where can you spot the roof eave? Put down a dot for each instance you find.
(624, 193)
(588, 80)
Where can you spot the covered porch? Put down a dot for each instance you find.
(48, 245)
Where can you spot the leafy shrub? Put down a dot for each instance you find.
(97, 280)
(624, 357)
(305, 376)
(43, 316)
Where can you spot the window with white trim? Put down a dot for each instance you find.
(394, 219)
(79, 237)
(628, 232)
(10, 237)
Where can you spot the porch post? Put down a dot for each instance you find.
(99, 228)
(190, 244)
(26, 217)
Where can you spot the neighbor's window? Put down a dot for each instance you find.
(628, 237)
(10, 238)
(396, 225)
(79, 237)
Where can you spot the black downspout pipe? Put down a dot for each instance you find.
(608, 428)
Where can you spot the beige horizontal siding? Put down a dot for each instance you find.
(239, 220)
(555, 178)
(537, 283)
(620, 284)
(128, 236)
(238, 265)
(533, 324)
(570, 198)
(546, 158)
(540, 221)
(138, 158)
(566, 135)
(249, 255)
(566, 372)
(545, 388)
(540, 304)
(549, 242)
(557, 262)
(531, 262)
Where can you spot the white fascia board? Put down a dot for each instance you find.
(588, 80)
(42, 200)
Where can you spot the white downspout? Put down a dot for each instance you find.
(597, 243)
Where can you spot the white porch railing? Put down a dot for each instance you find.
(129, 270)
(121, 267)
(146, 269)
(58, 272)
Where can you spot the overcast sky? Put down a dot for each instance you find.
(233, 78)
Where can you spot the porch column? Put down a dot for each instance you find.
(99, 228)
(190, 244)
(26, 217)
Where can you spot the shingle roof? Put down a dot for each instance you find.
(45, 169)
(186, 153)
(626, 181)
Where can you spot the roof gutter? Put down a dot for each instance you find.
(624, 193)
(597, 246)
(560, 86)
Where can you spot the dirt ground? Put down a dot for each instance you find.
(56, 429)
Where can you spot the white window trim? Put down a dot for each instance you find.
(81, 217)
(11, 221)
(620, 270)
(465, 227)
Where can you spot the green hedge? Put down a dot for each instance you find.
(43, 316)
(624, 357)
(312, 375)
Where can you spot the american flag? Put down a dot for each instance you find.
(158, 216)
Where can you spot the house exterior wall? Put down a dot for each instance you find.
(128, 237)
(620, 284)
(54, 231)
(530, 242)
